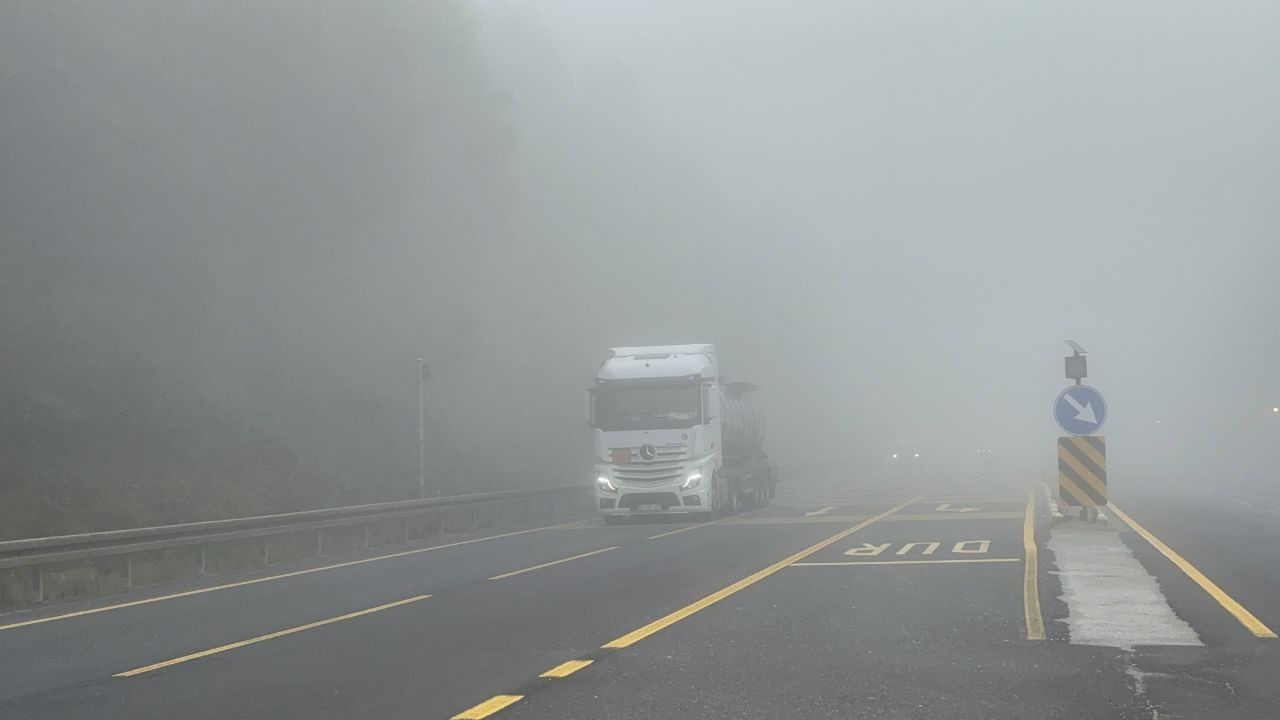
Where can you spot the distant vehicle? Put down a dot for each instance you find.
(671, 436)
(905, 452)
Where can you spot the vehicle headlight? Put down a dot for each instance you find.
(692, 481)
(604, 483)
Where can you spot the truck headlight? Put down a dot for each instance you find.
(691, 482)
(604, 483)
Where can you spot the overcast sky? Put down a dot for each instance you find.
(928, 197)
(239, 224)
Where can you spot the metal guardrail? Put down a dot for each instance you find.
(74, 564)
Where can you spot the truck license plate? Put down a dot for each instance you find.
(648, 507)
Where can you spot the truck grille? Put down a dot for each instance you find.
(650, 474)
(634, 500)
(663, 468)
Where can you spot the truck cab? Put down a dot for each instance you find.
(658, 429)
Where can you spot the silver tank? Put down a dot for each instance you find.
(742, 421)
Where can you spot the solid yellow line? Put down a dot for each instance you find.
(906, 562)
(1246, 618)
(641, 633)
(243, 583)
(1031, 573)
(566, 669)
(553, 562)
(270, 636)
(488, 707)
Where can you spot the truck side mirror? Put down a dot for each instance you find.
(710, 403)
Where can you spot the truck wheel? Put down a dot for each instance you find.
(731, 508)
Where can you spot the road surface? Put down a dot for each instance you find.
(915, 597)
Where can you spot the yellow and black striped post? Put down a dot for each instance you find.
(1082, 470)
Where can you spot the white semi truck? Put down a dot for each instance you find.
(672, 436)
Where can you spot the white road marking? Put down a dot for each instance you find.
(946, 507)
(1111, 599)
(823, 511)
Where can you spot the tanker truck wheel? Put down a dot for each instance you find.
(731, 506)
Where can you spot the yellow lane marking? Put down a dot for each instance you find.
(553, 562)
(906, 562)
(1030, 574)
(488, 707)
(255, 581)
(1245, 618)
(641, 633)
(269, 636)
(566, 669)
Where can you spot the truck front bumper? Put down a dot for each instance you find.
(663, 500)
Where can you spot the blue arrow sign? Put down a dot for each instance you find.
(1080, 410)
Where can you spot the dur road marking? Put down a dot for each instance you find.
(488, 707)
(269, 578)
(269, 636)
(963, 561)
(663, 622)
(823, 511)
(963, 547)
(565, 669)
(1228, 603)
(1031, 613)
(553, 562)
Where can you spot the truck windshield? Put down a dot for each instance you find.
(648, 406)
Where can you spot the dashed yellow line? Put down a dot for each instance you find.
(264, 638)
(553, 562)
(639, 634)
(566, 669)
(488, 707)
(1228, 603)
(1032, 615)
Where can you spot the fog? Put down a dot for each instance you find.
(227, 231)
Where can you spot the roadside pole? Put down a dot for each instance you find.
(1080, 411)
(424, 371)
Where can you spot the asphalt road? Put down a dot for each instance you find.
(902, 597)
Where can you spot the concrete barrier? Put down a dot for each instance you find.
(46, 570)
